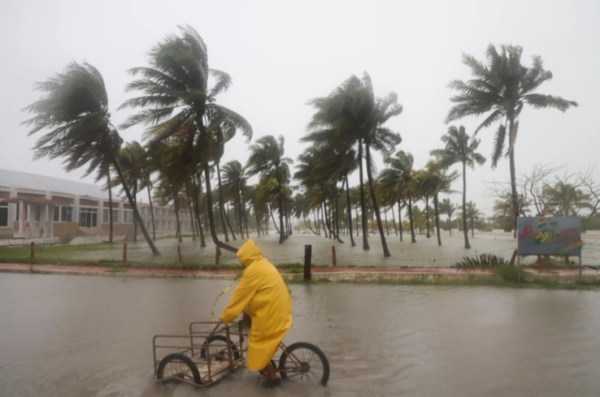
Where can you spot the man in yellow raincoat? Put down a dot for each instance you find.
(262, 295)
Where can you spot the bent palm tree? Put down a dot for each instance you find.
(75, 114)
(501, 89)
(266, 158)
(459, 149)
(176, 97)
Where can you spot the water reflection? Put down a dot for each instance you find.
(86, 336)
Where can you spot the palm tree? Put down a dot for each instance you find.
(472, 213)
(565, 199)
(351, 116)
(500, 90)
(459, 148)
(177, 96)
(266, 158)
(400, 176)
(235, 181)
(75, 114)
(448, 208)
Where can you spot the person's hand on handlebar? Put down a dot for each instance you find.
(247, 319)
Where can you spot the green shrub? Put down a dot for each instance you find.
(481, 261)
(509, 273)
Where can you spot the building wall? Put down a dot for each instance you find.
(165, 220)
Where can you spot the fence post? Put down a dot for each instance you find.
(307, 262)
(514, 255)
(125, 252)
(333, 257)
(32, 251)
(179, 252)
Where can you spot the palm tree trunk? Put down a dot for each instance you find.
(386, 251)
(427, 214)
(410, 215)
(245, 215)
(323, 221)
(394, 219)
(472, 229)
(315, 219)
(349, 211)
(221, 209)
(192, 222)
(280, 204)
(176, 204)
(467, 245)
(228, 223)
(387, 227)
(400, 219)
(197, 206)
(273, 218)
(211, 219)
(363, 205)
(257, 221)
(135, 209)
(513, 172)
(110, 209)
(437, 219)
(151, 212)
(135, 223)
(357, 228)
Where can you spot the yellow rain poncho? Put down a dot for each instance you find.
(265, 297)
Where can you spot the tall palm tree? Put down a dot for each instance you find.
(74, 112)
(351, 116)
(266, 158)
(448, 208)
(177, 96)
(460, 148)
(500, 90)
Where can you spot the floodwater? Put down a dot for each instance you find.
(91, 336)
(425, 253)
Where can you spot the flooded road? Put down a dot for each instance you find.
(92, 336)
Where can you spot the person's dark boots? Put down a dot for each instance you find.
(269, 383)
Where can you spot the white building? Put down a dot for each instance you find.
(35, 206)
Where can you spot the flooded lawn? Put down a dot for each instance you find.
(92, 336)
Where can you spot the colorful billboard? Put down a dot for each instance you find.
(549, 236)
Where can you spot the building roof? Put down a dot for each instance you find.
(24, 180)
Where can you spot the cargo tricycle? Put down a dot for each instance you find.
(212, 350)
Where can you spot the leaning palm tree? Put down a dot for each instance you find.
(460, 148)
(501, 89)
(400, 176)
(75, 114)
(176, 96)
(472, 213)
(266, 158)
(351, 116)
(235, 182)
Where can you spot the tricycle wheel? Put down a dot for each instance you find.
(304, 362)
(217, 344)
(178, 366)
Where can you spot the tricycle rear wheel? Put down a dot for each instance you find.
(179, 367)
(304, 362)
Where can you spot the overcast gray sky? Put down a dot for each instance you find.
(283, 53)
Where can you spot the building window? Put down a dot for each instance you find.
(37, 212)
(63, 214)
(115, 216)
(128, 216)
(3, 214)
(88, 217)
(66, 214)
